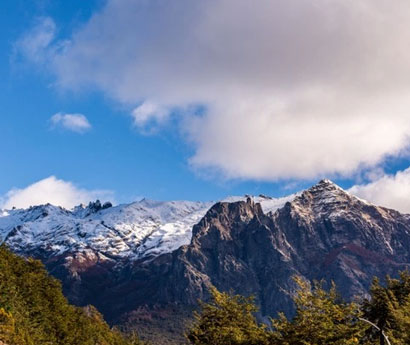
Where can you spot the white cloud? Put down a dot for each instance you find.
(292, 89)
(391, 191)
(54, 191)
(73, 122)
(149, 112)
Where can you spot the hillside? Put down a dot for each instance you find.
(33, 310)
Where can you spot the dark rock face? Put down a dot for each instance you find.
(325, 233)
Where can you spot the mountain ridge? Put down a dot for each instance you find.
(322, 233)
(140, 229)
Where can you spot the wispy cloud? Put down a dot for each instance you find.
(54, 191)
(36, 44)
(73, 122)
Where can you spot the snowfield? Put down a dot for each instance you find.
(134, 231)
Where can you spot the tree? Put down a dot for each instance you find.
(227, 319)
(321, 318)
(389, 309)
(34, 311)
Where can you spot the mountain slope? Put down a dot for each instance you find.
(250, 247)
(325, 233)
(85, 247)
(132, 231)
(135, 231)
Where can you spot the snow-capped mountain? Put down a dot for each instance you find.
(142, 229)
(323, 233)
(150, 258)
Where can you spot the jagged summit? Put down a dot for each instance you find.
(327, 200)
(326, 181)
(326, 185)
(326, 191)
(268, 204)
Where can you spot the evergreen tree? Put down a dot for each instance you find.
(227, 320)
(321, 319)
(33, 310)
(389, 309)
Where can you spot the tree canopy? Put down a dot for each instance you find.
(321, 318)
(389, 309)
(227, 319)
(33, 310)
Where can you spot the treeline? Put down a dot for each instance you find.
(321, 318)
(33, 310)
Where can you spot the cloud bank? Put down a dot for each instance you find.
(54, 191)
(391, 191)
(291, 89)
(72, 122)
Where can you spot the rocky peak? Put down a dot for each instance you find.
(234, 210)
(334, 218)
(82, 211)
(325, 197)
(222, 216)
(327, 187)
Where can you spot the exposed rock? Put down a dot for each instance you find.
(324, 233)
(106, 205)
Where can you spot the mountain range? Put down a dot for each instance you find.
(145, 265)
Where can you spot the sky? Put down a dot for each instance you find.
(197, 100)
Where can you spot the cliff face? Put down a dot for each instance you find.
(324, 233)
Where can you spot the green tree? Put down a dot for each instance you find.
(33, 310)
(389, 309)
(227, 319)
(321, 318)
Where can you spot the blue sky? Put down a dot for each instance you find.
(177, 116)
